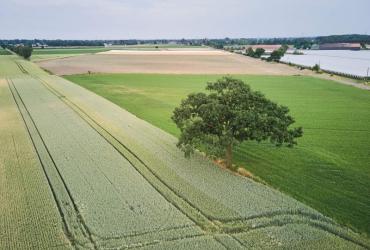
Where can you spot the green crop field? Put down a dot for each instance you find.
(329, 170)
(79, 172)
(29, 217)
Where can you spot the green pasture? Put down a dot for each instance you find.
(328, 170)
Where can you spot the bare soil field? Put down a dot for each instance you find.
(166, 61)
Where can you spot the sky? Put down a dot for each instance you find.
(176, 19)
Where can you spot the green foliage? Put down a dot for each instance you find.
(26, 52)
(259, 52)
(303, 44)
(350, 38)
(276, 55)
(249, 52)
(231, 114)
(256, 54)
(284, 48)
(21, 50)
(316, 68)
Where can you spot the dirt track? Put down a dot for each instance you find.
(178, 62)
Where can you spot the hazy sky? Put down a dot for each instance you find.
(145, 19)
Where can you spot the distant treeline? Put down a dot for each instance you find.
(80, 43)
(298, 42)
(344, 39)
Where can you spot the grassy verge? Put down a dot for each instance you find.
(329, 170)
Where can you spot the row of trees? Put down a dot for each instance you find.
(297, 42)
(21, 50)
(275, 56)
(352, 38)
(255, 53)
(83, 43)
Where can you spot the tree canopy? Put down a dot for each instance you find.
(276, 55)
(21, 50)
(254, 53)
(259, 52)
(230, 114)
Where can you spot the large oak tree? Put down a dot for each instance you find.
(230, 114)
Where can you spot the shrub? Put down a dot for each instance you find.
(316, 68)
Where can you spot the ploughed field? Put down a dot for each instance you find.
(77, 171)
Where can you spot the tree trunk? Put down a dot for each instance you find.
(229, 156)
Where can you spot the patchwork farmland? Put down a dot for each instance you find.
(77, 171)
(334, 148)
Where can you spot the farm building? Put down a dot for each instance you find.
(340, 46)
